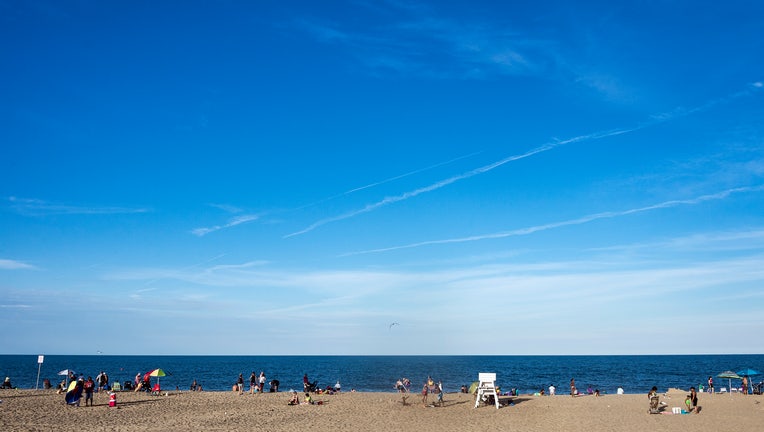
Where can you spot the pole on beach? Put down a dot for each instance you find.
(40, 359)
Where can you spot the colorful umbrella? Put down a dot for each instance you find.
(157, 373)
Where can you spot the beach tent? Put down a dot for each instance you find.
(730, 375)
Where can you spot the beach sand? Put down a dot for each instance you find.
(43, 410)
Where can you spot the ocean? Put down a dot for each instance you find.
(636, 374)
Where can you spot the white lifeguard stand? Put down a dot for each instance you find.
(486, 387)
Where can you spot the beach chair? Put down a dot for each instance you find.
(116, 386)
(723, 390)
(486, 388)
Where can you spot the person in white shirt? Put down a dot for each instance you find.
(551, 390)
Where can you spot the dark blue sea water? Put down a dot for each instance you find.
(636, 374)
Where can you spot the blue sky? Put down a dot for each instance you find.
(230, 177)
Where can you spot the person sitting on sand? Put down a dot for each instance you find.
(688, 404)
(294, 400)
(653, 392)
(7, 383)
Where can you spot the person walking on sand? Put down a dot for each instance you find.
(240, 384)
(711, 385)
(573, 390)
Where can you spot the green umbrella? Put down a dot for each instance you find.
(729, 375)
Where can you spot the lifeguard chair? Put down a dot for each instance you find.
(486, 388)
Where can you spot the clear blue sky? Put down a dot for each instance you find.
(286, 177)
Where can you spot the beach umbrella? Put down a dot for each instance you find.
(473, 387)
(157, 373)
(749, 372)
(730, 375)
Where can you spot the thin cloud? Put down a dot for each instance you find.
(6, 264)
(231, 223)
(435, 186)
(227, 208)
(388, 180)
(578, 221)
(36, 207)
(655, 119)
(435, 47)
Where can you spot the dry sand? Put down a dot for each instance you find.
(30, 410)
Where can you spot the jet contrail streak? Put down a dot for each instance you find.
(656, 119)
(578, 221)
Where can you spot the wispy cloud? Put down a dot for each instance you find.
(419, 43)
(231, 223)
(654, 120)
(6, 264)
(36, 207)
(578, 221)
(435, 186)
(388, 180)
(720, 241)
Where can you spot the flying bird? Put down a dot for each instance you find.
(392, 324)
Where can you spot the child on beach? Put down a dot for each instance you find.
(294, 400)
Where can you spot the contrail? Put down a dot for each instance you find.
(454, 179)
(578, 221)
(388, 180)
(656, 119)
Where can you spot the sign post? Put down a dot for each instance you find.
(40, 359)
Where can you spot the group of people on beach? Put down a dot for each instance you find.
(256, 384)
(430, 387)
(312, 387)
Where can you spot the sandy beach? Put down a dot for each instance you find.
(30, 410)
